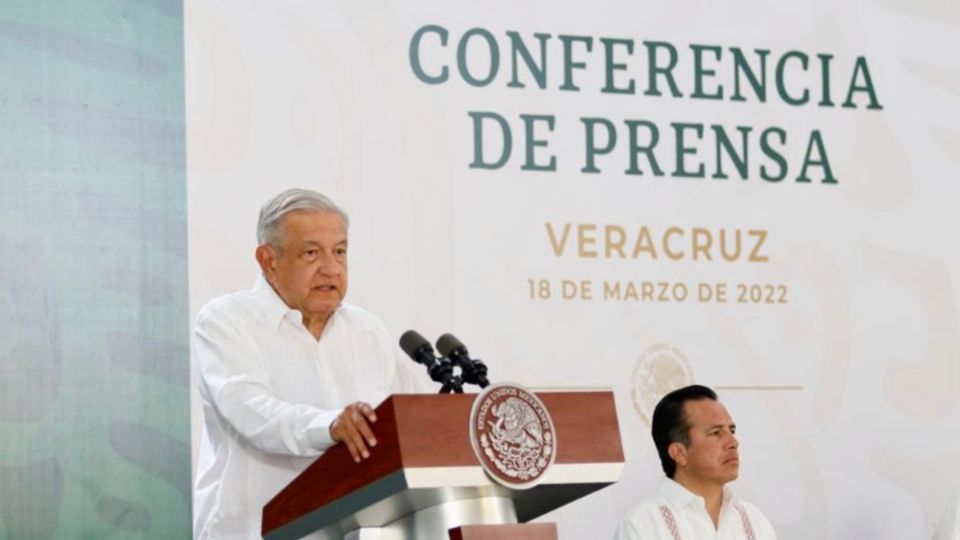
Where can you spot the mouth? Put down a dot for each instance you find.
(733, 460)
(325, 288)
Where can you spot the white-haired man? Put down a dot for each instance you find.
(286, 369)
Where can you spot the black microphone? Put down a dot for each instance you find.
(440, 369)
(473, 371)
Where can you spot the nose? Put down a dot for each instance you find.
(732, 442)
(328, 266)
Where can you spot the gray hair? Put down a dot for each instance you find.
(292, 200)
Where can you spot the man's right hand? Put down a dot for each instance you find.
(353, 428)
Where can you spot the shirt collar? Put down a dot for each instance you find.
(274, 308)
(679, 496)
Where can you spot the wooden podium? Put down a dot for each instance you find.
(424, 481)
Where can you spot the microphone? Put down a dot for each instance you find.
(473, 371)
(439, 369)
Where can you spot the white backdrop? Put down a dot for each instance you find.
(843, 375)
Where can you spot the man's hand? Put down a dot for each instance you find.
(353, 428)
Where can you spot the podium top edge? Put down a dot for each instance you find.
(535, 389)
(553, 389)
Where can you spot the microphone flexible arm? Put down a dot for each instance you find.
(472, 371)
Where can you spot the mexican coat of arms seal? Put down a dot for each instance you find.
(512, 435)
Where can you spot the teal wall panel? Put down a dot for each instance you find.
(94, 361)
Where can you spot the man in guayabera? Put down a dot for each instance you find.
(699, 452)
(287, 369)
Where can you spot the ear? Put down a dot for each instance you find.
(266, 256)
(678, 453)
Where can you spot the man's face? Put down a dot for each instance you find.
(309, 270)
(713, 455)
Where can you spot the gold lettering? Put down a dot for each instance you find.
(611, 290)
(558, 246)
(584, 240)
(676, 242)
(644, 243)
(612, 244)
(761, 236)
(723, 245)
(672, 231)
(647, 288)
(631, 292)
(702, 247)
(664, 297)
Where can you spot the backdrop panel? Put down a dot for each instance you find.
(633, 195)
(94, 403)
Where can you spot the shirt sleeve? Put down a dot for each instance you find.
(639, 524)
(761, 524)
(230, 368)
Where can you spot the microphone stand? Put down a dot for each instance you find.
(442, 372)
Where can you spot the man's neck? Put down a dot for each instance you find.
(315, 324)
(711, 492)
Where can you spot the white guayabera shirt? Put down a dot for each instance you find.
(675, 513)
(270, 391)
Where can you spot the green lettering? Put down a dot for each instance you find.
(740, 66)
(781, 75)
(517, 47)
(636, 149)
(609, 87)
(700, 73)
(415, 54)
(683, 150)
(861, 67)
(478, 161)
(773, 154)
(823, 162)
(494, 54)
(725, 146)
(528, 123)
(655, 69)
(568, 64)
(592, 148)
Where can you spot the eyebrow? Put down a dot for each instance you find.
(307, 243)
(715, 426)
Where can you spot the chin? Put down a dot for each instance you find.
(327, 308)
(321, 301)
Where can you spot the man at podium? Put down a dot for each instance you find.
(286, 368)
(699, 452)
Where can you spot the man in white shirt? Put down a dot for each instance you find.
(698, 447)
(286, 369)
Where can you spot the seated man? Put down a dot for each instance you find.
(698, 449)
(286, 369)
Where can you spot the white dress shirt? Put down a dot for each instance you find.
(270, 391)
(689, 514)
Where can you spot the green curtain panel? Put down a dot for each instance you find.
(94, 357)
